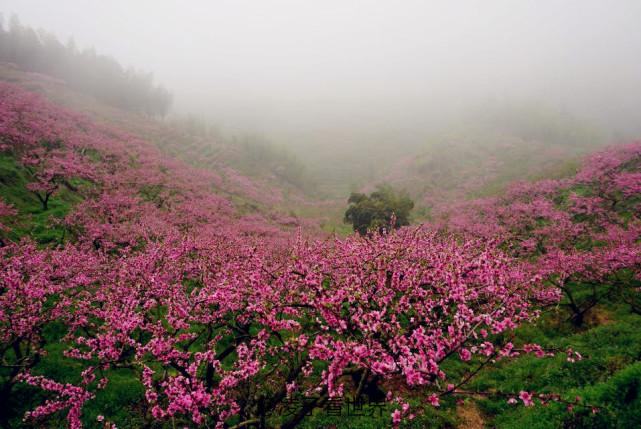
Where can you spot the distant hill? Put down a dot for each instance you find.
(488, 149)
(87, 71)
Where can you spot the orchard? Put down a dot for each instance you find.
(219, 319)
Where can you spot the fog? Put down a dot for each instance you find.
(309, 73)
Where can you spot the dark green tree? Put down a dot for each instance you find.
(375, 212)
(87, 71)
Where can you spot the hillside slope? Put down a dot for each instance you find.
(264, 199)
(486, 150)
(139, 290)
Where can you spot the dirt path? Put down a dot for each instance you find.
(470, 416)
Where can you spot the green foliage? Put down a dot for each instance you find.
(262, 156)
(377, 210)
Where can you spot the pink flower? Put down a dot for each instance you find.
(465, 355)
(396, 417)
(433, 400)
(526, 398)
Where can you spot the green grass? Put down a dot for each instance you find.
(118, 402)
(426, 418)
(31, 220)
(611, 362)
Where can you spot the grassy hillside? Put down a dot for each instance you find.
(253, 172)
(154, 285)
(30, 219)
(488, 149)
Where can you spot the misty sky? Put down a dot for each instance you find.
(309, 66)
